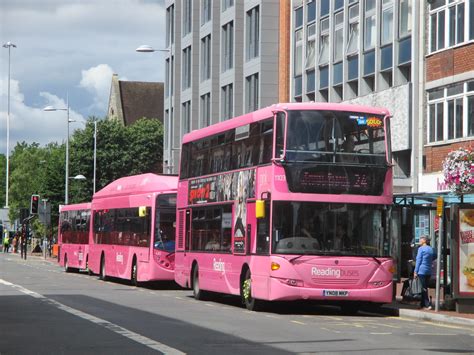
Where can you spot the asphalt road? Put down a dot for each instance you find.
(46, 311)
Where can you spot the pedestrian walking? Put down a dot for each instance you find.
(6, 242)
(23, 245)
(15, 243)
(424, 259)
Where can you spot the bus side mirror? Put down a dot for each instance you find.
(260, 209)
(142, 211)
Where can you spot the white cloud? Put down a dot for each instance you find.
(33, 124)
(97, 81)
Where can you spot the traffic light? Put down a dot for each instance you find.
(34, 204)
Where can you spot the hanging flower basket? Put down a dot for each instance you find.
(458, 170)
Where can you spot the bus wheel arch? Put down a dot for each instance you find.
(66, 265)
(88, 269)
(252, 304)
(134, 272)
(102, 274)
(198, 293)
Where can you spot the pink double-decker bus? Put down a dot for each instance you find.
(133, 228)
(290, 202)
(73, 236)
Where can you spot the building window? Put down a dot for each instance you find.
(404, 51)
(324, 41)
(171, 75)
(353, 34)
(310, 46)
(186, 81)
(456, 24)
(167, 77)
(227, 4)
(447, 117)
(448, 23)
(324, 8)
(206, 58)
(352, 68)
(206, 110)
(206, 8)
(186, 118)
(227, 102)
(187, 16)
(251, 93)
(228, 46)
(338, 36)
(252, 33)
(299, 17)
(370, 29)
(323, 77)
(338, 4)
(170, 26)
(405, 19)
(369, 63)
(386, 54)
(310, 81)
(337, 74)
(387, 22)
(298, 64)
(311, 11)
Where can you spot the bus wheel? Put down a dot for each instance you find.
(102, 275)
(66, 265)
(134, 276)
(250, 303)
(89, 271)
(197, 292)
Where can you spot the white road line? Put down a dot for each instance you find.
(380, 333)
(102, 322)
(433, 334)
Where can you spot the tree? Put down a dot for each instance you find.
(121, 151)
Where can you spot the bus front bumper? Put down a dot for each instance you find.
(279, 291)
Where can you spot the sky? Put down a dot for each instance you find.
(69, 49)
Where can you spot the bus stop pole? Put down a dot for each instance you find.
(439, 245)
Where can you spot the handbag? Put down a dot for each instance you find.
(412, 289)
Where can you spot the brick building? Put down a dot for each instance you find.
(449, 86)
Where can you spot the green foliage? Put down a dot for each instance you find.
(121, 151)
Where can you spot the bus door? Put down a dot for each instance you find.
(251, 228)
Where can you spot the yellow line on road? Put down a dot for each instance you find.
(447, 326)
(298, 322)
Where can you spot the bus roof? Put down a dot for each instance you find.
(267, 112)
(75, 207)
(138, 184)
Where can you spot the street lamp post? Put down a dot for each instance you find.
(95, 154)
(148, 49)
(66, 179)
(8, 45)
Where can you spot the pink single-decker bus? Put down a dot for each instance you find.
(290, 202)
(133, 229)
(73, 236)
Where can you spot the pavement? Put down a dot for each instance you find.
(398, 308)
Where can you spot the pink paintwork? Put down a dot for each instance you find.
(277, 276)
(133, 192)
(73, 245)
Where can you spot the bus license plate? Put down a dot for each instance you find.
(335, 293)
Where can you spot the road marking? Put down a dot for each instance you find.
(380, 333)
(155, 345)
(433, 334)
(270, 316)
(330, 330)
(298, 322)
(446, 326)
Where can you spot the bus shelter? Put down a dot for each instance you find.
(415, 215)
